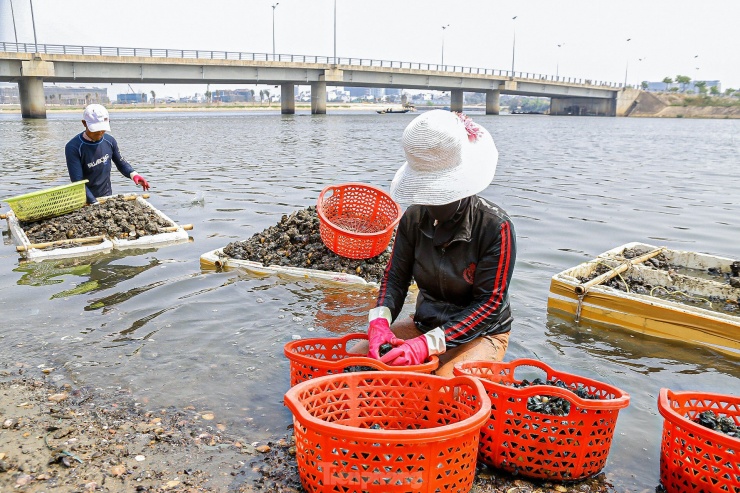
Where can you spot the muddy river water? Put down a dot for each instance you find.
(155, 325)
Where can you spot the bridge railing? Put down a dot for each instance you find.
(268, 57)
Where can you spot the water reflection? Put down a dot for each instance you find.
(97, 273)
(342, 311)
(173, 334)
(632, 349)
(30, 153)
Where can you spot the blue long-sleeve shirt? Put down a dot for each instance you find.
(92, 161)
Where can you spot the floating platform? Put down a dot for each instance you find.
(697, 277)
(219, 260)
(93, 245)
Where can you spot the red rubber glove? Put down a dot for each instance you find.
(139, 180)
(379, 333)
(412, 352)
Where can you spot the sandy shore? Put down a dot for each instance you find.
(64, 438)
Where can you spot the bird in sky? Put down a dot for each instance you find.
(514, 17)
(629, 39)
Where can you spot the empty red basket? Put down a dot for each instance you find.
(311, 358)
(387, 432)
(693, 458)
(356, 220)
(538, 445)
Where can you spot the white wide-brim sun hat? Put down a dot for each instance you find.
(448, 158)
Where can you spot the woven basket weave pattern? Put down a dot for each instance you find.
(538, 445)
(50, 202)
(695, 459)
(316, 357)
(387, 432)
(356, 221)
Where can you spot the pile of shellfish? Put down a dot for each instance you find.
(722, 424)
(114, 218)
(556, 406)
(296, 242)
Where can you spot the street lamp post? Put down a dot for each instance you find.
(640, 69)
(626, 67)
(33, 22)
(443, 43)
(273, 29)
(335, 32)
(697, 68)
(12, 14)
(513, 47)
(557, 63)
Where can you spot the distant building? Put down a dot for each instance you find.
(60, 95)
(9, 95)
(233, 95)
(358, 92)
(131, 98)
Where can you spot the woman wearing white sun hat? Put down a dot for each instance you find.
(458, 247)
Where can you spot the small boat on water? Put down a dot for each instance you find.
(392, 110)
(681, 295)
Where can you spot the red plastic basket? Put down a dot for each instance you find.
(538, 445)
(693, 458)
(356, 220)
(387, 432)
(311, 358)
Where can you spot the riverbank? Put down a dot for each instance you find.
(670, 105)
(65, 438)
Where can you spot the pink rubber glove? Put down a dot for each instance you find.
(139, 180)
(379, 333)
(412, 352)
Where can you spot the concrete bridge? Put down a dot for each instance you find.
(30, 65)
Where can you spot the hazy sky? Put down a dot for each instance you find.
(666, 38)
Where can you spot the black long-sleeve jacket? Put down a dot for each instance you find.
(463, 286)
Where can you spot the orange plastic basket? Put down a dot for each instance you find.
(311, 358)
(387, 432)
(538, 445)
(356, 220)
(693, 458)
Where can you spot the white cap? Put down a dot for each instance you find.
(96, 117)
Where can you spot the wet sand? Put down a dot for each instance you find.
(66, 438)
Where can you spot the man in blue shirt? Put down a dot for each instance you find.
(89, 155)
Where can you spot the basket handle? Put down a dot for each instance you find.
(496, 367)
(462, 427)
(668, 412)
(468, 381)
(619, 402)
(596, 404)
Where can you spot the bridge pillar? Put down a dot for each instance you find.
(492, 102)
(31, 86)
(31, 92)
(287, 98)
(456, 100)
(318, 98)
